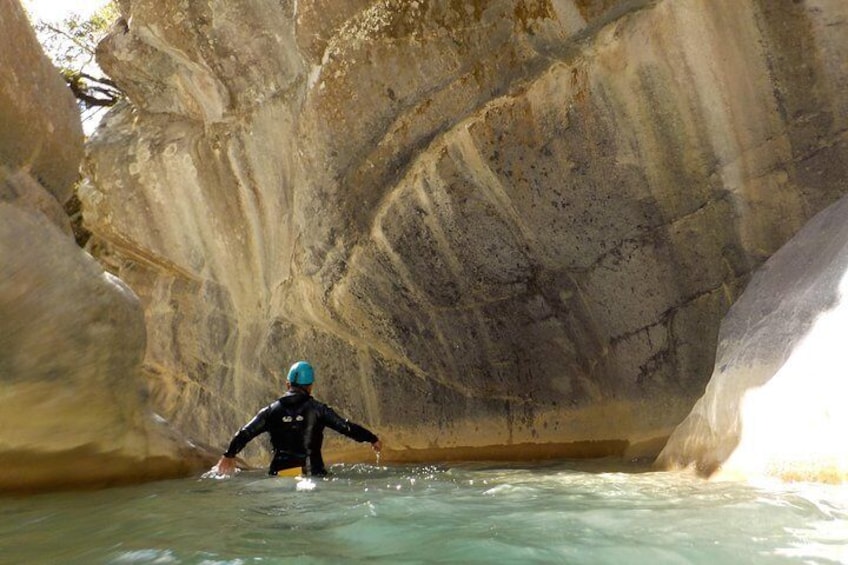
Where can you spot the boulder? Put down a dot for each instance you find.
(73, 405)
(40, 129)
(774, 406)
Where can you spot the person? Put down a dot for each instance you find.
(296, 423)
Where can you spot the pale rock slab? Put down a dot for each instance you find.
(775, 403)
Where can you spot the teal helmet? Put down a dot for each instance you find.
(301, 374)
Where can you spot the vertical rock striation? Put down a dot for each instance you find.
(509, 223)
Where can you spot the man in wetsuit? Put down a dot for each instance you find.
(296, 423)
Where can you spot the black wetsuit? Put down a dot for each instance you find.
(296, 423)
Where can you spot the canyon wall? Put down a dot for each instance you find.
(505, 228)
(73, 405)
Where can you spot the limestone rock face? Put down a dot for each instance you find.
(40, 130)
(491, 225)
(72, 337)
(774, 405)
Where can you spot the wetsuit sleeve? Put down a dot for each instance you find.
(253, 428)
(344, 427)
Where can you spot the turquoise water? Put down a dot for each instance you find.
(563, 513)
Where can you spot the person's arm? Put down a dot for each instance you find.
(348, 428)
(227, 463)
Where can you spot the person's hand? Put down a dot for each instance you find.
(226, 466)
(377, 446)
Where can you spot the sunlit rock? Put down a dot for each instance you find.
(775, 404)
(40, 130)
(72, 404)
(506, 227)
(72, 408)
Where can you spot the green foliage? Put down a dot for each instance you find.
(71, 44)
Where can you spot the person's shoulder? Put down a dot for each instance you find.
(319, 405)
(330, 410)
(316, 402)
(276, 405)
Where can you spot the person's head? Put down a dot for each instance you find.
(301, 375)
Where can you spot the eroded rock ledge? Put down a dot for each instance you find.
(486, 223)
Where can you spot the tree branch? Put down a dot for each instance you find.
(84, 94)
(75, 40)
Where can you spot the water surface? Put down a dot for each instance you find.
(553, 513)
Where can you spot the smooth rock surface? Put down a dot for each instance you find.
(40, 130)
(775, 404)
(490, 225)
(73, 409)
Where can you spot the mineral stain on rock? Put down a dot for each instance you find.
(412, 201)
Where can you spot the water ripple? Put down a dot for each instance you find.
(435, 514)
